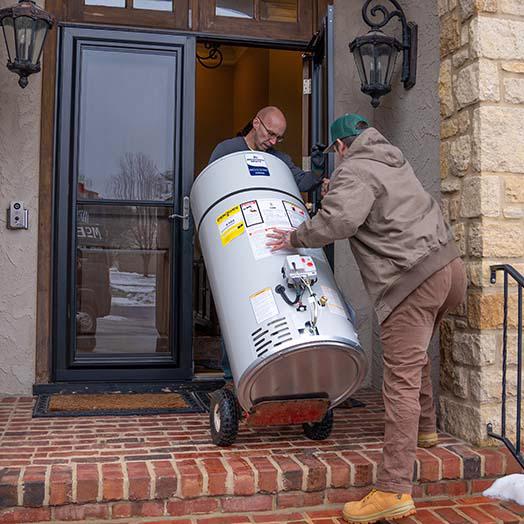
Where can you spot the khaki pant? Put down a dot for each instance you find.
(407, 391)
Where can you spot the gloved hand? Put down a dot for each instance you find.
(318, 159)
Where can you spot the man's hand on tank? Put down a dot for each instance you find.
(280, 239)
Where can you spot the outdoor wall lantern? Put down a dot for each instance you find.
(376, 53)
(25, 28)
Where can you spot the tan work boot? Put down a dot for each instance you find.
(379, 505)
(427, 440)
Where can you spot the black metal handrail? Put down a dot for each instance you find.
(514, 448)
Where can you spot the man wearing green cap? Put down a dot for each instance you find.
(413, 273)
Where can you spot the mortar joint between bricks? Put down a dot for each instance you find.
(20, 487)
(100, 492)
(47, 486)
(256, 474)
(178, 493)
(230, 481)
(280, 476)
(152, 476)
(125, 480)
(352, 469)
(74, 482)
(329, 473)
(205, 477)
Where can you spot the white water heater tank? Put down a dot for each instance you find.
(277, 349)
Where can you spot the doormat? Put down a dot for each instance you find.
(118, 404)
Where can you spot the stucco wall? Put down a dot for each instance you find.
(409, 119)
(19, 169)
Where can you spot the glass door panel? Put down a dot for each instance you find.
(126, 127)
(123, 281)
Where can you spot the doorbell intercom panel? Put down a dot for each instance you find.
(17, 216)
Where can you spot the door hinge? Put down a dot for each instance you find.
(306, 86)
(185, 214)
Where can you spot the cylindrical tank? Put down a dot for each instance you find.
(272, 351)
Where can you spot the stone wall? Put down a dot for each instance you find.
(481, 92)
(19, 172)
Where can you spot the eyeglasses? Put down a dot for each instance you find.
(272, 134)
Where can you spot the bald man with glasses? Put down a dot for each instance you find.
(264, 132)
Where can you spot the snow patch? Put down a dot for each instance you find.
(508, 488)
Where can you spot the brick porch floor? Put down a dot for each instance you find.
(159, 466)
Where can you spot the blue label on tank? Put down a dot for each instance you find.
(257, 165)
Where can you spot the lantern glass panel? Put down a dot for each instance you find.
(9, 34)
(24, 37)
(366, 57)
(41, 28)
(385, 57)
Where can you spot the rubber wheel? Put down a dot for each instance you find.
(223, 417)
(319, 430)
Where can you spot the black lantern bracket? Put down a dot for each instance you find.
(409, 37)
(376, 53)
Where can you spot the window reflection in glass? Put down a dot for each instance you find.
(123, 279)
(107, 3)
(235, 8)
(156, 5)
(278, 10)
(126, 124)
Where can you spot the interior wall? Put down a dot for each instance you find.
(409, 119)
(214, 110)
(251, 86)
(229, 96)
(285, 92)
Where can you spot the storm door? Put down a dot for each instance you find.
(124, 166)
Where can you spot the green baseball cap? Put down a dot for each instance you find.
(344, 126)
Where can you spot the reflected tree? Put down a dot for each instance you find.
(139, 179)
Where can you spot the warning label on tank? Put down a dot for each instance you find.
(333, 301)
(230, 225)
(256, 164)
(295, 214)
(251, 212)
(264, 305)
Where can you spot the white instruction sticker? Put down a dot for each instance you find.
(264, 305)
(251, 212)
(274, 213)
(258, 239)
(333, 301)
(295, 214)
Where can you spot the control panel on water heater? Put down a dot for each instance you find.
(298, 267)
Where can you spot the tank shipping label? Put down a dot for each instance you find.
(256, 164)
(230, 225)
(264, 305)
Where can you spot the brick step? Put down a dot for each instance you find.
(458, 510)
(165, 465)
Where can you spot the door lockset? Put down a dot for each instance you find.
(185, 214)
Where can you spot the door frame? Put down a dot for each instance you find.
(48, 157)
(178, 364)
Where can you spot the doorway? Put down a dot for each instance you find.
(232, 83)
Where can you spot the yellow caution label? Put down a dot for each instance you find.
(230, 225)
